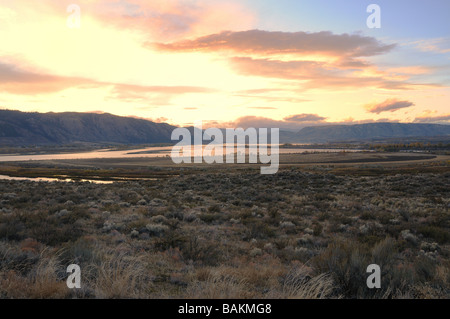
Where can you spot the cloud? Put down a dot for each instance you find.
(305, 118)
(411, 70)
(438, 45)
(262, 91)
(270, 95)
(158, 95)
(317, 74)
(16, 80)
(278, 69)
(269, 42)
(262, 108)
(292, 123)
(259, 122)
(445, 119)
(318, 60)
(390, 105)
(250, 121)
(271, 99)
(160, 120)
(161, 89)
(166, 19)
(157, 120)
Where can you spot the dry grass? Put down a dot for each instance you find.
(299, 285)
(40, 283)
(121, 276)
(299, 234)
(219, 286)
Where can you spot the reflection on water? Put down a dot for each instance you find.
(105, 153)
(150, 152)
(46, 179)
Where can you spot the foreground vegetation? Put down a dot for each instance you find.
(238, 234)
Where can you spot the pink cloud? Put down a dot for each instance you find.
(15, 80)
(390, 105)
(445, 118)
(268, 42)
(262, 108)
(295, 122)
(314, 74)
(305, 118)
(167, 19)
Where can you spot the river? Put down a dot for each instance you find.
(136, 153)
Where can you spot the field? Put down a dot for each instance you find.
(226, 231)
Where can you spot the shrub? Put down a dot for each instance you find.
(175, 214)
(214, 209)
(440, 235)
(219, 286)
(425, 269)
(210, 218)
(121, 276)
(384, 252)
(207, 253)
(258, 229)
(299, 284)
(317, 229)
(347, 263)
(44, 280)
(156, 230)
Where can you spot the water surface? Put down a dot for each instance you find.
(150, 152)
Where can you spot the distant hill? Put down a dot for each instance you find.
(364, 132)
(21, 128)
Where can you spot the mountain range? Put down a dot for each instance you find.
(22, 128)
(364, 132)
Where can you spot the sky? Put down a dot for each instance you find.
(246, 63)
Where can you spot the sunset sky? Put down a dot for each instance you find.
(251, 63)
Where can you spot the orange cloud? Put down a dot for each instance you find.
(305, 118)
(314, 75)
(271, 95)
(390, 105)
(295, 122)
(267, 42)
(259, 121)
(410, 70)
(299, 56)
(15, 80)
(262, 108)
(158, 95)
(439, 45)
(433, 119)
(165, 19)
